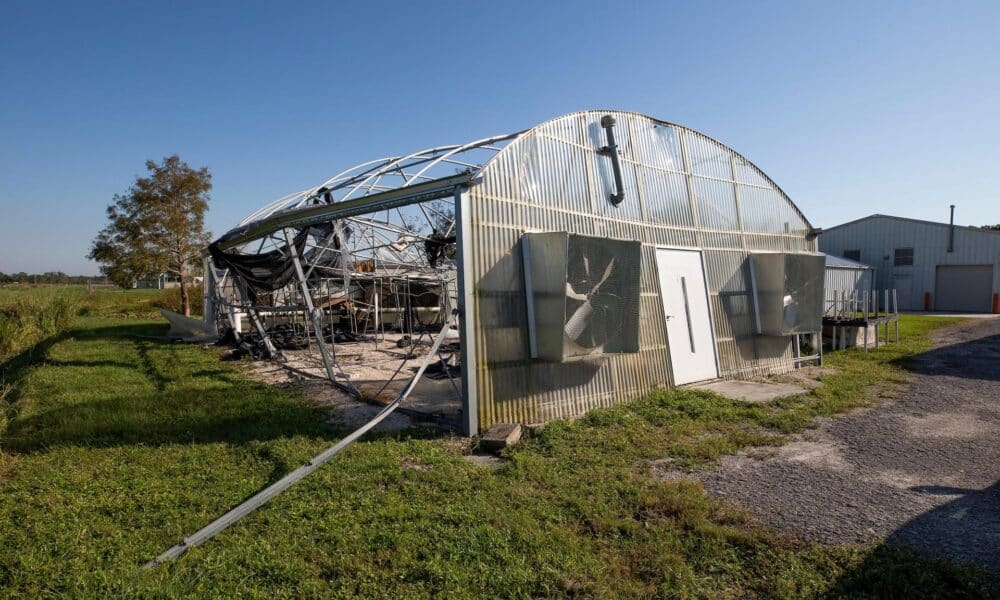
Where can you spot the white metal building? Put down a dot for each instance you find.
(932, 266)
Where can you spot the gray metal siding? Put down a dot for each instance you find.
(682, 189)
(878, 237)
(845, 280)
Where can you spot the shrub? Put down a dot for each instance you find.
(170, 299)
(30, 319)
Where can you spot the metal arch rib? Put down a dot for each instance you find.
(271, 207)
(483, 143)
(313, 215)
(364, 177)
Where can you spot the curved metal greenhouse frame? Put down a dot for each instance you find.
(419, 262)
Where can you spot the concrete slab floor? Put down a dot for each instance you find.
(750, 391)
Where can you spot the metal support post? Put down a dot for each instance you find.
(466, 312)
(255, 317)
(307, 299)
(212, 282)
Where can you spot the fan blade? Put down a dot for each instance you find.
(578, 321)
(607, 273)
(571, 293)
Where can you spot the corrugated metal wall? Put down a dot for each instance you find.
(845, 280)
(681, 189)
(878, 237)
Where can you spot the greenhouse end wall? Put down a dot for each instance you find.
(682, 189)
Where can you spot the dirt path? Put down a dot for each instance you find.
(922, 469)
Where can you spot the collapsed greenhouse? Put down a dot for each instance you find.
(537, 275)
(529, 276)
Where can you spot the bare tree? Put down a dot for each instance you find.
(157, 226)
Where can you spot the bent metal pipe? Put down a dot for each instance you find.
(264, 496)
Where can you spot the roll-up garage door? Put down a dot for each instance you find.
(964, 288)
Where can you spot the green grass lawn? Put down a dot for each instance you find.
(117, 446)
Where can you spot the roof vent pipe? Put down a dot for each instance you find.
(608, 123)
(951, 230)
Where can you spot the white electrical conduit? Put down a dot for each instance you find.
(212, 529)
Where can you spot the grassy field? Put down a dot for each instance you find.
(121, 445)
(31, 313)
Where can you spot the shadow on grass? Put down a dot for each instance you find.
(893, 571)
(952, 551)
(966, 529)
(973, 359)
(201, 405)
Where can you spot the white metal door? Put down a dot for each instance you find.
(689, 322)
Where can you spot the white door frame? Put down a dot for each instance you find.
(708, 301)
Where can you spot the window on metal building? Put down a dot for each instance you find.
(854, 255)
(903, 257)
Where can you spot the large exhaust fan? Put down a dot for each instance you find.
(788, 292)
(583, 295)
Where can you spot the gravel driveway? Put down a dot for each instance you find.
(921, 469)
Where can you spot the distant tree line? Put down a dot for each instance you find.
(993, 227)
(50, 277)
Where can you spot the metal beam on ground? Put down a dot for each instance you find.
(264, 496)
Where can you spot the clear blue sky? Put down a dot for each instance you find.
(851, 107)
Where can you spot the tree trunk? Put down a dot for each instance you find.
(185, 301)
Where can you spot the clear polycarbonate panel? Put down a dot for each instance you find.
(716, 202)
(766, 211)
(657, 145)
(666, 196)
(749, 174)
(708, 157)
(553, 173)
